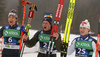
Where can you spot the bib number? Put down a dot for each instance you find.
(82, 51)
(10, 39)
(45, 44)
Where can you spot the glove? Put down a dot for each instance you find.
(23, 29)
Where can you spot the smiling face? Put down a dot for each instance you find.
(46, 26)
(12, 20)
(84, 31)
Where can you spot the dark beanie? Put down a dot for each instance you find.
(49, 19)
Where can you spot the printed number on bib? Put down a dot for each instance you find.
(45, 44)
(82, 51)
(10, 39)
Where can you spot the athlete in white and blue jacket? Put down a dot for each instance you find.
(84, 45)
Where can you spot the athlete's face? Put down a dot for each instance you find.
(12, 20)
(84, 31)
(46, 25)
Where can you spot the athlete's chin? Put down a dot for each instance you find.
(46, 30)
(83, 34)
(11, 24)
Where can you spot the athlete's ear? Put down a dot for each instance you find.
(88, 30)
(16, 19)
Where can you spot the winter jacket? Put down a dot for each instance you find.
(11, 40)
(43, 38)
(83, 47)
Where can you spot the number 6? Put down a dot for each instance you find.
(10, 39)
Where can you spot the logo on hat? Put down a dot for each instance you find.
(49, 19)
(83, 23)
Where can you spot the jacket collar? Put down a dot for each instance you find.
(84, 37)
(12, 27)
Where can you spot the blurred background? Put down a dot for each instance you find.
(84, 9)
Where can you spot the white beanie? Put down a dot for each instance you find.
(13, 12)
(85, 24)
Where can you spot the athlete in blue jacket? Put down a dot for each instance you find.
(11, 34)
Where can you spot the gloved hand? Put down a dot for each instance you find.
(23, 29)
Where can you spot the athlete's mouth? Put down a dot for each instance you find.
(11, 21)
(82, 32)
(44, 27)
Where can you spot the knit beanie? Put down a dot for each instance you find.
(49, 19)
(13, 12)
(85, 24)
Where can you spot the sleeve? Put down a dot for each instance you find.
(58, 43)
(33, 41)
(1, 32)
(94, 48)
(71, 48)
